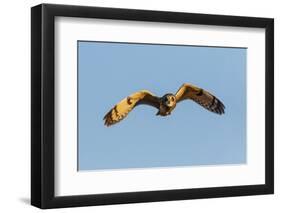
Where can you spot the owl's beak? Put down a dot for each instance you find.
(168, 103)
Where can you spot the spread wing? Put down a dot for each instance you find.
(121, 110)
(200, 96)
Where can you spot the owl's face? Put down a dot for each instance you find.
(169, 100)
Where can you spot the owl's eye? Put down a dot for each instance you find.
(172, 99)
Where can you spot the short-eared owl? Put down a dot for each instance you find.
(165, 104)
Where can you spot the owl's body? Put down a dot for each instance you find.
(165, 104)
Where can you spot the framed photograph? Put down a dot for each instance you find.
(139, 106)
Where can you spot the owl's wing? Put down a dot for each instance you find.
(121, 110)
(200, 96)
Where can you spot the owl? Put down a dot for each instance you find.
(165, 104)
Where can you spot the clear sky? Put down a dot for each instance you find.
(190, 136)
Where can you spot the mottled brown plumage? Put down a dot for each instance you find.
(165, 104)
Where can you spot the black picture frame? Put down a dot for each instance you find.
(43, 100)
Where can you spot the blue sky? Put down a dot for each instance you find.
(191, 136)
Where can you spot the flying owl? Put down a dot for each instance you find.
(165, 104)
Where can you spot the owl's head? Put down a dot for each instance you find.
(169, 100)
